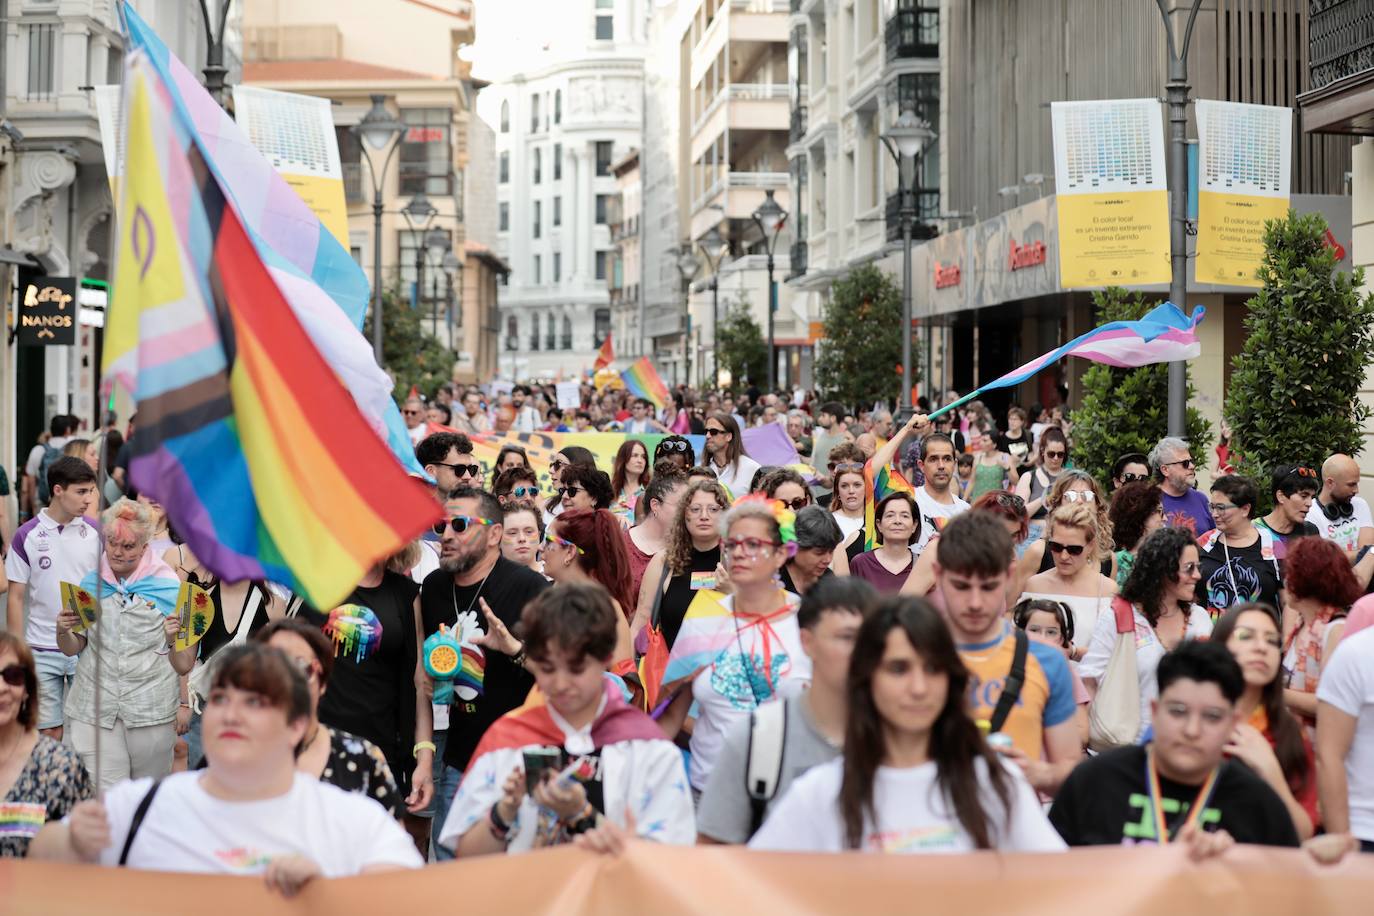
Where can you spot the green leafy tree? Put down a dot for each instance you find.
(1127, 410)
(858, 362)
(1295, 385)
(409, 353)
(740, 345)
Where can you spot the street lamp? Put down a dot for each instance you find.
(714, 246)
(687, 266)
(769, 217)
(419, 213)
(906, 140)
(377, 130)
(437, 242)
(215, 71)
(453, 266)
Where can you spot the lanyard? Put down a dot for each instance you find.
(1204, 795)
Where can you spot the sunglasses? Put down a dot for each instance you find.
(1080, 496)
(551, 538)
(459, 524)
(714, 432)
(13, 675)
(1185, 462)
(1221, 507)
(570, 491)
(1056, 454)
(522, 492)
(847, 466)
(412, 413)
(1010, 501)
(1073, 550)
(1303, 472)
(1134, 478)
(1189, 568)
(557, 465)
(462, 470)
(797, 504)
(673, 445)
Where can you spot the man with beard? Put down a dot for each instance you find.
(1184, 506)
(479, 595)
(935, 498)
(1339, 512)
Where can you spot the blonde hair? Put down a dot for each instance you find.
(1100, 504)
(1083, 518)
(128, 519)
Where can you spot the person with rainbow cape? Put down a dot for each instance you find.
(736, 650)
(575, 760)
(1179, 786)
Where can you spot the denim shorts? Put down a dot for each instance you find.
(55, 673)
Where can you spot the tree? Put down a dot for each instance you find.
(409, 354)
(740, 345)
(1295, 385)
(860, 359)
(1127, 410)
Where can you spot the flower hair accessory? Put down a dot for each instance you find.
(782, 514)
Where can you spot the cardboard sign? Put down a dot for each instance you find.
(569, 395)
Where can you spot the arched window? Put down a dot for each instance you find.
(505, 117)
(558, 106)
(550, 334)
(534, 332)
(567, 333)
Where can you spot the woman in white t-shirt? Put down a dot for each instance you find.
(250, 811)
(916, 775)
(850, 492)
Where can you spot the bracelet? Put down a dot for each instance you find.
(185, 705)
(519, 658)
(586, 820)
(423, 746)
(499, 828)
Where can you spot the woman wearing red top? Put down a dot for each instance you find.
(1270, 741)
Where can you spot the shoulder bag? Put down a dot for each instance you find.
(1114, 714)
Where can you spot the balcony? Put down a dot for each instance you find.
(797, 260)
(664, 320)
(913, 33)
(1340, 41)
(751, 106)
(927, 209)
(797, 129)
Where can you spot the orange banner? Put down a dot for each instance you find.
(653, 880)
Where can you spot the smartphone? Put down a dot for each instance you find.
(537, 760)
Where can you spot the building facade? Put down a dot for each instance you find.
(626, 270)
(559, 131)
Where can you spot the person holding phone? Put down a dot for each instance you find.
(576, 757)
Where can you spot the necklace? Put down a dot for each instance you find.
(1162, 833)
(475, 595)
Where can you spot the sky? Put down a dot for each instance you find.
(511, 34)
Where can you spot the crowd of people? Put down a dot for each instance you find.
(688, 648)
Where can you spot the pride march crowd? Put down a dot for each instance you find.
(934, 638)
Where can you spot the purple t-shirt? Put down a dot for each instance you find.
(868, 567)
(1188, 511)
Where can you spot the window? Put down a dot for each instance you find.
(534, 332)
(601, 200)
(601, 326)
(557, 267)
(426, 154)
(505, 117)
(604, 150)
(558, 106)
(538, 270)
(557, 162)
(42, 62)
(534, 113)
(351, 160)
(601, 265)
(411, 245)
(550, 333)
(558, 211)
(538, 165)
(503, 217)
(538, 214)
(605, 20)
(512, 333)
(567, 333)
(504, 168)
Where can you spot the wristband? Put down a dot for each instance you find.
(586, 820)
(423, 746)
(519, 658)
(499, 828)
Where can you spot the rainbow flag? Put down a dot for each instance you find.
(881, 483)
(606, 356)
(642, 381)
(264, 461)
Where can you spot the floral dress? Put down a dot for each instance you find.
(49, 786)
(357, 765)
(1303, 663)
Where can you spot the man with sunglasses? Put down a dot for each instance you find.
(1184, 506)
(413, 412)
(1339, 512)
(479, 594)
(1132, 467)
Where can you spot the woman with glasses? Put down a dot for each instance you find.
(788, 487)
(583, 547)
(569, 456)
(522, 535)
(1074, 541)
(516, 487)
(1034, 487)
(725, 454)
(41, 779)
(737, 651)
(509, 457)
(1160, 590)
(330, 755)
(1320, 588)
(1136, 511)
(689, 562)
(676, 449)
(585, 488)
(888, 566)
(630, 474)
(659, 507)
(1238, 559)
(1076, 487)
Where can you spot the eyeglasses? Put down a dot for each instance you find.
(570, 492)
(459, 524)
(1187, 569)
(1221, 507)
(752, 547)
(797, 504)
(462, 470)
(1187, 463)
(14, 675)
(1056, 454)
(1073, 550)
(703, 511)
(522, 492)
(1134, 478)
(551, 538)
(1076, 496)
(714, 432)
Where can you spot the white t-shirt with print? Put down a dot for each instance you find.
(43, 555)
(934, 514)
(1344, 531)
(913, 817)
(725, 693)
(736, 477)
(188, 830)
(1348, 684)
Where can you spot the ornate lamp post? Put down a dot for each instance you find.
(377, 131)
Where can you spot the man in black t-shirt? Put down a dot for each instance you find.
(479, 594)
(1179, 786)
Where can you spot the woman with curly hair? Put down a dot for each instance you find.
(582, 487)
(1075, 486)
(690, 561)
(1135, 512)
(1160, 590)
(630, 474)
(788, 487)
(1320, 588)
(1075, 542)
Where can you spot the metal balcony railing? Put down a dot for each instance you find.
(927, 209)
(913, 33)
(1340, 40)
(758, 179)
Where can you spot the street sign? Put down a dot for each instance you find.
(48, 312)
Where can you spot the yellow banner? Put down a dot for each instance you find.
(1113, 239)
(541, 447)
(687, 881)
(1230, 235)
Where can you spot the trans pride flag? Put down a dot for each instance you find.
(261, 455)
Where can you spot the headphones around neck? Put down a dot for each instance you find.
(1337, 510)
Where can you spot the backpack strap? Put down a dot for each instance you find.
(1016, 679)
(658, 595)
(763, 762)
(1125, 615)
(139, 813)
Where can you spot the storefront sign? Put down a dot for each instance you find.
(1112, 194)
(1028, 255)
(947, 275)
(47, 312)
(1244, 160)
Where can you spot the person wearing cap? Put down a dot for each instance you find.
(818, 535)
(1130, 468)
